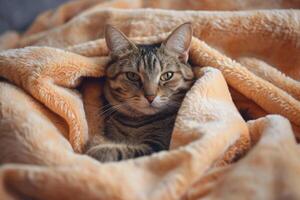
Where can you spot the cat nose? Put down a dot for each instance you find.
(150, 98)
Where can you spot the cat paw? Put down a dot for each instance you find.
(105, 153)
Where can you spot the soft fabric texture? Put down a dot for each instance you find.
(245, 61)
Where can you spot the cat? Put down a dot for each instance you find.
(143, 90)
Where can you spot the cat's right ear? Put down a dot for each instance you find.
(116, 41)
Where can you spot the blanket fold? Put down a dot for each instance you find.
(44, 72)
(246, 64)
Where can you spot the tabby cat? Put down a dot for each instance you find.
(144, 87)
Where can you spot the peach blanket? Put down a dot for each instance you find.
(246, 62)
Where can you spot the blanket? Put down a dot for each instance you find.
(246, 63)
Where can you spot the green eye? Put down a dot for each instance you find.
(132, 76)
(166, 76)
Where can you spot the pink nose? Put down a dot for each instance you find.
(150, 98)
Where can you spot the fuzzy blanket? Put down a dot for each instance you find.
(247, 62)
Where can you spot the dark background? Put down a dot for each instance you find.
(18, 14)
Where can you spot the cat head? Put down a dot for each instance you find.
(147, 79)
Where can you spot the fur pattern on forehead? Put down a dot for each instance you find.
(147, 58)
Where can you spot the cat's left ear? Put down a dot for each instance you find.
(179, 41)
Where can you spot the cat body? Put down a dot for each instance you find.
(143, 90)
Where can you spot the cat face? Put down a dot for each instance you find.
(148, 79)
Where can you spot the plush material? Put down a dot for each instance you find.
(246, 62)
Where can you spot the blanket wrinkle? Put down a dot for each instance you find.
(285, 104)
(268, 73)
(67, 11)
(274, 144)
(43, 78)
(246, 62)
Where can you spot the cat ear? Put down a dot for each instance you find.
(179, 41)
(116, 41)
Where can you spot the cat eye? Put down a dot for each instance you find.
(166, 76)
(132, 76)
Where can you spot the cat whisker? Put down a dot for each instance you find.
(114, 108)
(174, 104)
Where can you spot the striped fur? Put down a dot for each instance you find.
(144, 88)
